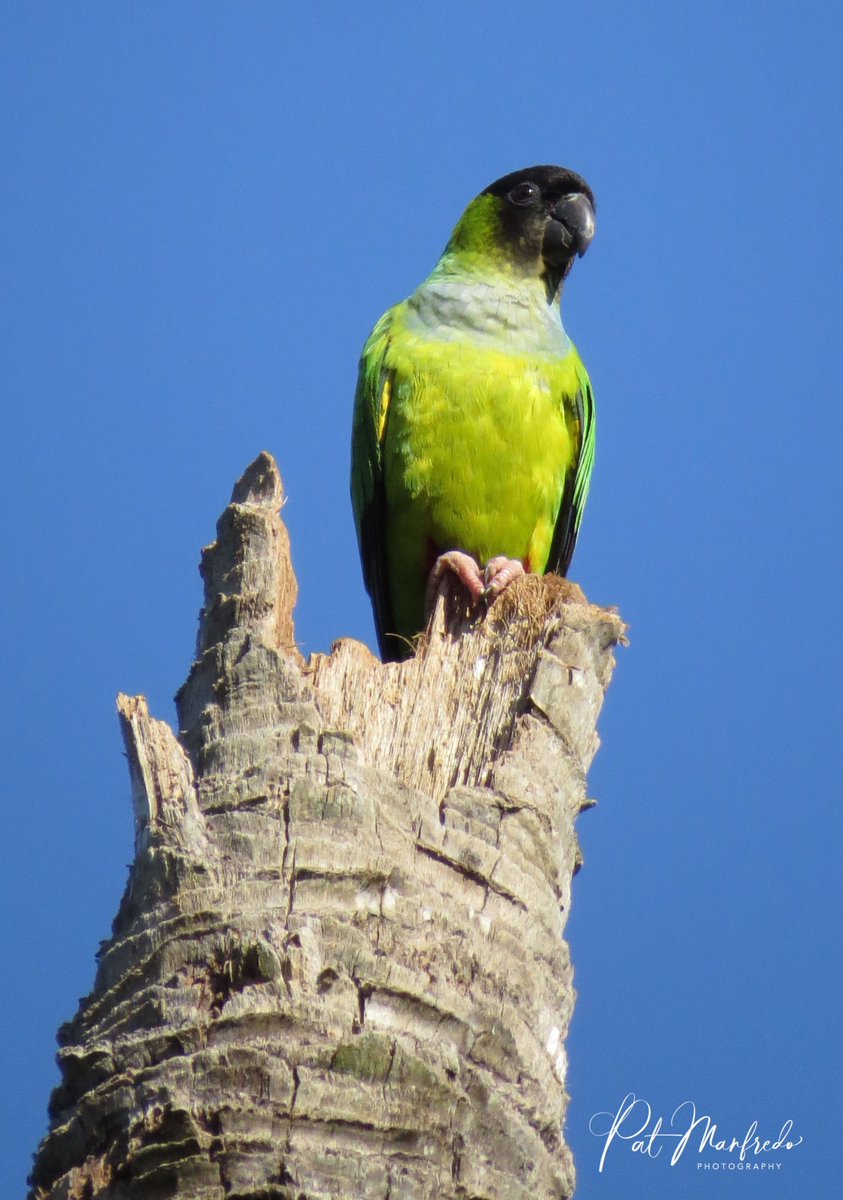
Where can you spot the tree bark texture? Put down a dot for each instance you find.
(338, 969)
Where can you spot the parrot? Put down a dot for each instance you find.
(473, 429)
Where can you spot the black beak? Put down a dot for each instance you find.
(570, 229)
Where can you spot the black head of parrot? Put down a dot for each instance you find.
(546, 217)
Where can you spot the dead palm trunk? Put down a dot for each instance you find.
(338, 968)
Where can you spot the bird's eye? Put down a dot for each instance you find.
(524, 194)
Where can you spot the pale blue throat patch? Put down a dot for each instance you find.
(508, 315)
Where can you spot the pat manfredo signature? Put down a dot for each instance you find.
(635, 1124)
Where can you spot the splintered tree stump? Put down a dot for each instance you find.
(338, 969)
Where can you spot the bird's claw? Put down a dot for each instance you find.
(464, 567)
(481, 585)
(499, 574)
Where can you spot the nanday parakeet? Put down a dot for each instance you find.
(473, 431)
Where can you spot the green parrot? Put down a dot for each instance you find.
(473, 430)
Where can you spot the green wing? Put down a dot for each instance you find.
(368, 500)
(581, 420)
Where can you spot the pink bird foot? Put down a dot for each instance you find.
(499, 574)
(464, 567)
(481, 586)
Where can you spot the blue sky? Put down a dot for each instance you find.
(208, 207)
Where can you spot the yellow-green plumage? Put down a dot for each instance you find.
(473, 428)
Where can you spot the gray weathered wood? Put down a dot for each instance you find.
(338, 969)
